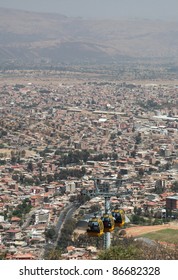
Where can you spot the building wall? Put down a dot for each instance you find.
(171, 203)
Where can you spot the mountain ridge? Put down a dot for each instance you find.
(55, 38)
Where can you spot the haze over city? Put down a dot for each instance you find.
(159, 9)
(89, 132)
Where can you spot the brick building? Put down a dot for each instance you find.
(172, 202)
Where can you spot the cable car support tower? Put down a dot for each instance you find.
(107, 196)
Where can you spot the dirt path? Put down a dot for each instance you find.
(139, 230)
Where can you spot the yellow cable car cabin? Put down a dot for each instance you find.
(95, 227)
(108, 222)
(119, 217)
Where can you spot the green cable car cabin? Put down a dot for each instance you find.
(95, 227)
(119, 217)
(108, 222)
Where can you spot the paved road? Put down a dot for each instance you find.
(64, 215)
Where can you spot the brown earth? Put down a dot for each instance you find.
(139, 230)
(52, 38)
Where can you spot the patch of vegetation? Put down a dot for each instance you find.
(22, 208)
(165, 235)
(50, 233)
(74, 157)
(54, 254)
(128, 249)
(66, 234)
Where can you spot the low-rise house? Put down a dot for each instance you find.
(21, 256)
(13, 235)
(15, 220)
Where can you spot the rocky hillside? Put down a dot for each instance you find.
(52, 38)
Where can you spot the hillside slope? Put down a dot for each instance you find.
(34, 37)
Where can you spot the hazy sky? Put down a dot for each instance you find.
(157, 9)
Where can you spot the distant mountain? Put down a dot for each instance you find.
(29, 37)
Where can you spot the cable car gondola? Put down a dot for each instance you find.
(95, 227)
(119, 217)
(108, 222)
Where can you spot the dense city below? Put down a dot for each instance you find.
(59, 129)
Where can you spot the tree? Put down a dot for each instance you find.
(23, 153)
(50, 233)
(22, 208)
(175, 186)
(3, 255)
(82, 198)
(83, 240)
(66, 234)
(130, 249)
(159, 189)
(138, 139)
(141, 172)
(13, 159)
(136, 219)
(49, 178)
(54, 254)
(30, 166)
(95, 208)
(137, 210)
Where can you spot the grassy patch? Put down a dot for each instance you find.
(166, 235)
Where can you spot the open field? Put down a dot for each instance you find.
(165, 235)
(165, 232)
(57, 78)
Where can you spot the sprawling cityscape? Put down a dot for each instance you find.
(59, 130)
(88, 131)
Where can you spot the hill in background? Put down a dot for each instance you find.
(29, 37)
